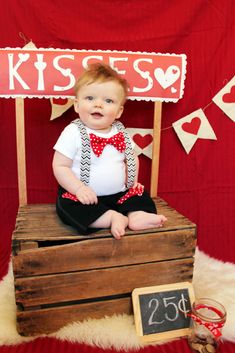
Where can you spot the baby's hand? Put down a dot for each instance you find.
(138, 186)
(86, 195)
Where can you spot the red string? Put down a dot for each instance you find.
(213, 327)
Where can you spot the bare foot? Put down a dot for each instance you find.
(118, 225)
(141, 220)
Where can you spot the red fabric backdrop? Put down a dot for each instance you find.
(200, 185)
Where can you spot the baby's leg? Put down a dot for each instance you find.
(140, 220)
(114, 220)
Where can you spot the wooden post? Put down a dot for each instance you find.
(20, 149)
(156, 148)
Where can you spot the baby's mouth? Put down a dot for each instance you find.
(97, 115)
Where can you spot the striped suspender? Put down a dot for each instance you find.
(129, 154)
(86, 153)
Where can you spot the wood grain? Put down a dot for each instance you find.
(44, 321)
(40, 222)
(72, 286)
(105, 252)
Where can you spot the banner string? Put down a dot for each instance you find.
(170, 127)
(25, 39)
(207, 106)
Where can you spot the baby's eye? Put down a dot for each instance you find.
(89, 98)
(108, 100)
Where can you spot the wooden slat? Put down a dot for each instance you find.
(45, 321)
(20, 149)
(31, 224)
(28, 245)
(99, 283)
(156, 148)
(105, 253)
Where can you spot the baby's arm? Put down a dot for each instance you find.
(64, 175)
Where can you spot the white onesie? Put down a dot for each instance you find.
(107, 173)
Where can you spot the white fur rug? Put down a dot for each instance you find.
(212, 278)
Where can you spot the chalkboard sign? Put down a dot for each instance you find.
(162, 311)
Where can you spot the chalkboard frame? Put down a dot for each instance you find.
(155, 336)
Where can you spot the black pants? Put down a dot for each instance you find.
(80, 216)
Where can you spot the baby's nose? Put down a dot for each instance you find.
(98, 103)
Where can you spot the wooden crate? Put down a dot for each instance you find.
(61, 277)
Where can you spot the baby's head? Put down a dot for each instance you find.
(99, 73)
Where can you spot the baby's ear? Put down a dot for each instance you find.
(120, 112)
(75, 104)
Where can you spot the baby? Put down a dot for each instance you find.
(94, 162)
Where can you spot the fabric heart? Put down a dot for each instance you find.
(60, 101)
(230, 96)
(193, 126)
(167, 78)
(142, 141)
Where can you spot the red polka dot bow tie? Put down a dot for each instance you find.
(99, 143)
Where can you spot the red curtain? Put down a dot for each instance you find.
(200, 185)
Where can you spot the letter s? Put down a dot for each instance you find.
(65, 72)
(143, 74)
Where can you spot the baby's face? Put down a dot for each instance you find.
(99, 104)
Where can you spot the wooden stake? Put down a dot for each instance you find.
(156, 148)
(20, 148)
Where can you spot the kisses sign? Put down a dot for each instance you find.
(53, 72)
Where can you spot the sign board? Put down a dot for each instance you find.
(52, 73)
(161, 312)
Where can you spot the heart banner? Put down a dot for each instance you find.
(225, 99)
(59, 106)
(192, 127)
(143, 139)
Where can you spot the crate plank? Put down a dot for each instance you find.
(105, 253)
(28, 245)
(45, 321)
(68, 287)
(30, 224)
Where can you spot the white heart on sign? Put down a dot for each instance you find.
(173, 90)
(23, 57)
(40, 65)
(167, 78)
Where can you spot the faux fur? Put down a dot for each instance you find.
(212, 279)
(216, 280)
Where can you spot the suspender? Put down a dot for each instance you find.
(86, 153)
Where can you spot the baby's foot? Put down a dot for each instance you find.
(159, 220)
(118, 225)
(141, 220)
